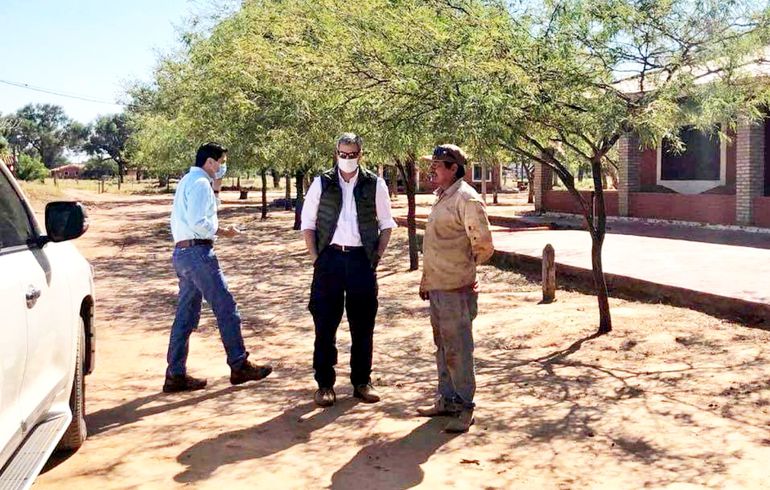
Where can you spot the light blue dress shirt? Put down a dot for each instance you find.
(194, 215)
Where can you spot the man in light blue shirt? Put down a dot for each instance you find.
(195, 227)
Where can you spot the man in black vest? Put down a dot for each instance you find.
(346, 223)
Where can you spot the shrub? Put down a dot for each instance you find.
(29, 168)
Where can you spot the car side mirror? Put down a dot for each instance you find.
(65, 220)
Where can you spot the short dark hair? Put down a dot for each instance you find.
(209, 150)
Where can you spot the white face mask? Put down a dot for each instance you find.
(221, 172)
(347, 165)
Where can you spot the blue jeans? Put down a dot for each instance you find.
(451, 315)
(200, 276)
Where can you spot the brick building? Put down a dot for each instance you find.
(472, 176)
(715, 182)
(70, 171)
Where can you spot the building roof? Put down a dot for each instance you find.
(754, 66)
(69, 167)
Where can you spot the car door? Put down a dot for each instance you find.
(14, 231)
(49, 316)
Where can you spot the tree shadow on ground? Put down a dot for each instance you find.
(139, 408)
(292, 427)
(393, 464)
(538, 395)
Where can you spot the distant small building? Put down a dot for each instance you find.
(70, 171)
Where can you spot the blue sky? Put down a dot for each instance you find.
(89, 48)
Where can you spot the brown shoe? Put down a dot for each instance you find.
(183, 382)
(325, 397)
(249, 372)
(366, 393)
(462, 423)
(436, 410)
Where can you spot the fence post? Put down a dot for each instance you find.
(549, 274)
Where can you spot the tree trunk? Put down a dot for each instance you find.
(393, 184)
(264, 194)
(407, 170)
(276, 179)
(599, 229)
(483, 181)
(299, 179)
(495, 185)
(600, 284)
(287, 204)
(238, 185)
(530, 171)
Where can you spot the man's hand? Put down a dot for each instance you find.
(229, 231)
(424, 295)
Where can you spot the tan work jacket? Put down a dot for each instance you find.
(457, 238)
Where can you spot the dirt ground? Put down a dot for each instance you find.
(671, 399)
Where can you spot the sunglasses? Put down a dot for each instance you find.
(352, 154)
(439, 153)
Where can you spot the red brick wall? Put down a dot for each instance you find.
(762, 211)
(563, 202)
(649, 168)
(703, 208)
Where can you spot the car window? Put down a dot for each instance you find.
(15, 228)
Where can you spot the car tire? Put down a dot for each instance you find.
(76, 433)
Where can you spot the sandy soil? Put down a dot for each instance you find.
(671, 399)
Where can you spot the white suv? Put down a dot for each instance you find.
(46, 332)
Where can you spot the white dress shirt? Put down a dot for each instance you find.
(347, 233)
(194, 215)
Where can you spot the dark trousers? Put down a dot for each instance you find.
(343, 280)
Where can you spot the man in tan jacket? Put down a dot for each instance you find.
(457, 239)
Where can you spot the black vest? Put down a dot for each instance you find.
(365, 193)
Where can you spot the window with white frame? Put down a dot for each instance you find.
(700, 166)
(477, 173)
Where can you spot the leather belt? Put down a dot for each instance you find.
(193, 242)
(345, 248)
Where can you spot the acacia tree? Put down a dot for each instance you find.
(45, 130)
(572, 108)
(542, 82)
(107, 138)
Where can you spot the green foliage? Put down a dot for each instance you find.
(276, 81)
(31, 168)
(97, 168)
(108, 138)
(46, 131)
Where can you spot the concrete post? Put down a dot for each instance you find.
(543, 182)
(750, 169)
(629, 163)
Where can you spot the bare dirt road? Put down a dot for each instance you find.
(671, 399)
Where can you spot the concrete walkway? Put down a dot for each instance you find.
(727, 273)
(728, 279)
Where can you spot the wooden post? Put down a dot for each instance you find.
(549, 274)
